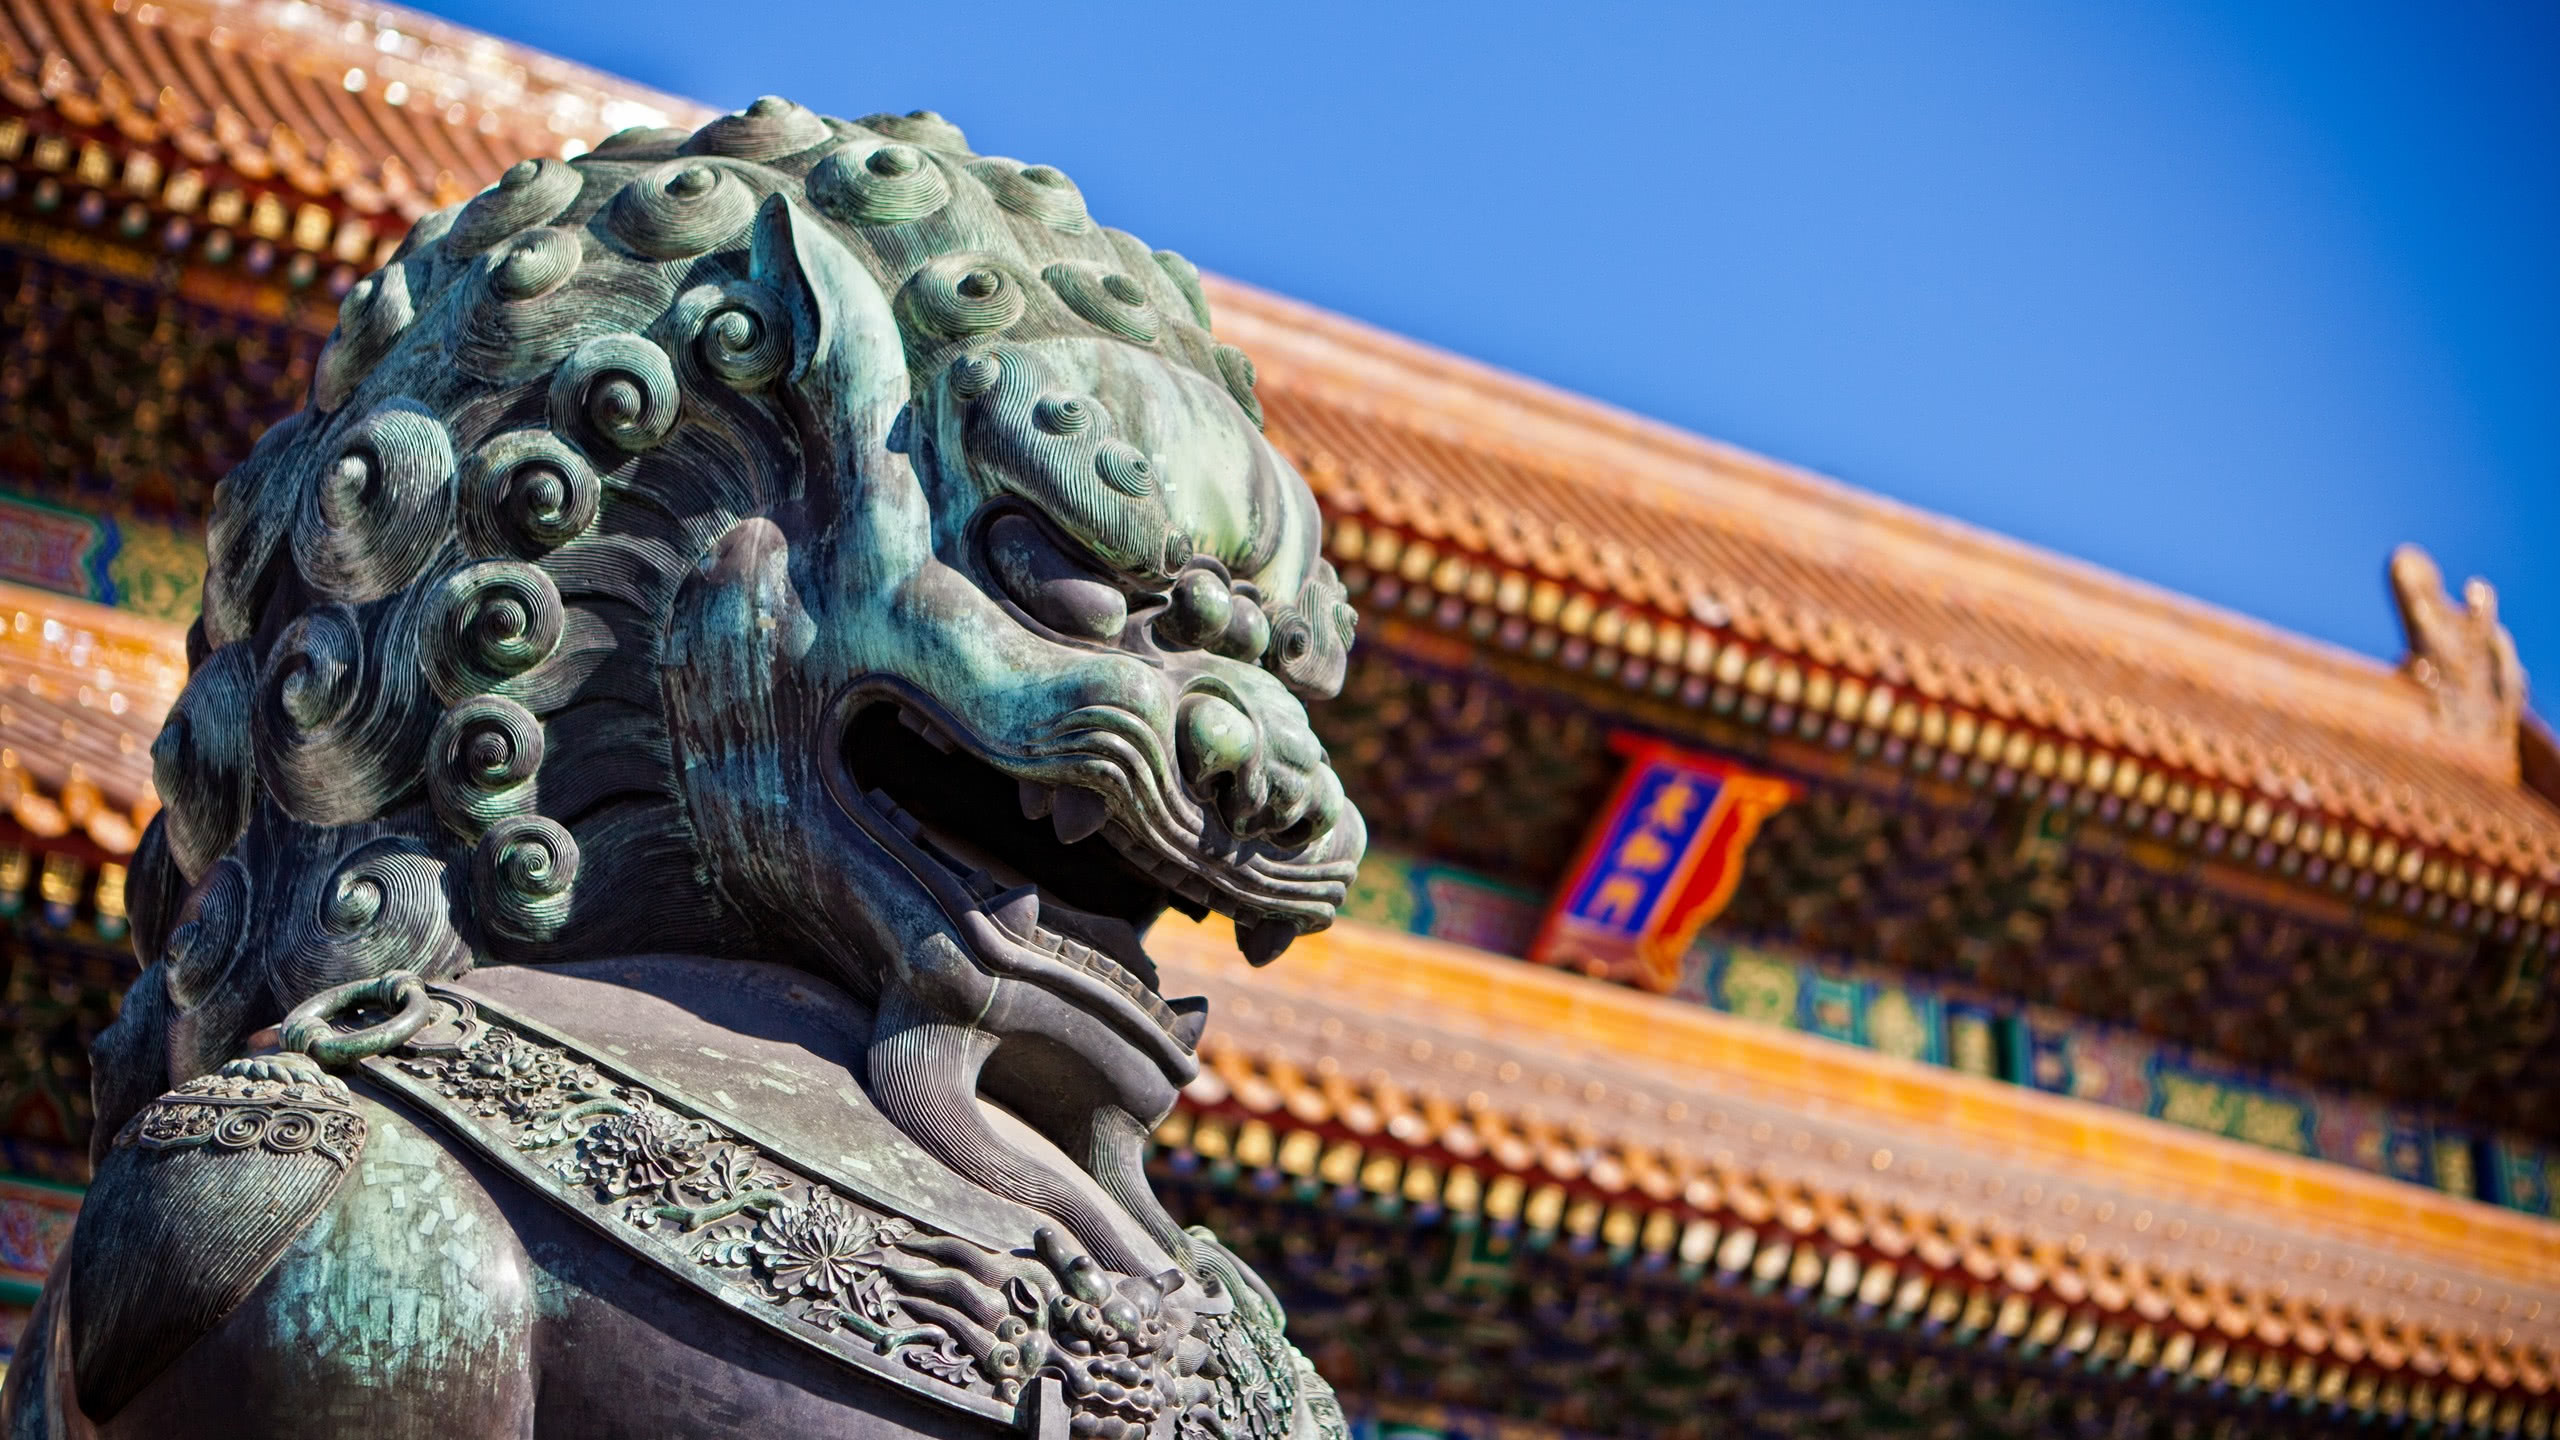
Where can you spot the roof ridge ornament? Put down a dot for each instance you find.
(2460, 655)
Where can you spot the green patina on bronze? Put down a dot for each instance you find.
(801, 544)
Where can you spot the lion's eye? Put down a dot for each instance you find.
(1207, 611)
(1198, 611)
(1045, 581)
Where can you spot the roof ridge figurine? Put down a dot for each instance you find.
(688, 730)
(2461, 654)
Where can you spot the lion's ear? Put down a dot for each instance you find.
(845, 351)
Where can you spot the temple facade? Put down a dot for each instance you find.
(1820, 970)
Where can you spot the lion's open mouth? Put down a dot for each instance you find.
(1053, 884)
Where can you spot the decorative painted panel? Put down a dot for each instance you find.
(1659, 863)
(135, 564)
(2049, 1049)
(35, 1229)
(1443, 902)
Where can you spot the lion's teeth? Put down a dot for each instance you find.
(928, 727)
(1077, 814)
(1018, 911)
(1035, 799)
(1264, 940)
(1190, 1016)
(899, 820)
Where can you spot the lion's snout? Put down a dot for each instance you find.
(1263, 774)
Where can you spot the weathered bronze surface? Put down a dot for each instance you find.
(688, 730)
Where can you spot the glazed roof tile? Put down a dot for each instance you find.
(1649, 1105)
(1573, 490)
(82, 692)
(381, 108)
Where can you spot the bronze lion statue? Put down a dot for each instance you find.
(688, 732)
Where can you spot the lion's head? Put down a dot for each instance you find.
(799, 540)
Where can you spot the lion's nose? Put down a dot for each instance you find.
(1262, 789)
(1221, 756)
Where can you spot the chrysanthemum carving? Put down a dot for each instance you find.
(822, 1248)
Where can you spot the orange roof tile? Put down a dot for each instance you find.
(82, 692)
(1651, 1105)
(1566, 488)
(382, 108)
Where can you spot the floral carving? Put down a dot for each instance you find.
(1322, 1403)
(504, 1075)
(640, 1151)
(736, 1170)
(819, 1255)
(822, 1248)
(1126, 1350)
(1251, 1391)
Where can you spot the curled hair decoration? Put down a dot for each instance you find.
(682, 208)
(957, 296)
(481, 763)
(491, 623)
(617, 391)
(741, 336)
(337, 720)
(892, 185)
(382, 907)
(527, 493)
(373, 516)
(521, 876)
(1105, 298)
(532, 192)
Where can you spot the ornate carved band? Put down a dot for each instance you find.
(282, 1104)
(972, 1327)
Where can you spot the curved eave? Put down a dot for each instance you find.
(1522, 518)
(387, 110)
(1375, 1061)
(83, 689)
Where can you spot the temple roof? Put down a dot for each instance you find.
(1379, 1063)
(1478, 512)
(381, 108)
(1510, 477)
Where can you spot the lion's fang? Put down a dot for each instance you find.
(1078, 814)
(926, 726)
(1018, 911)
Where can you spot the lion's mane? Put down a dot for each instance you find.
(426, 725)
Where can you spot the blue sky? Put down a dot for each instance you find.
(2228, 297)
